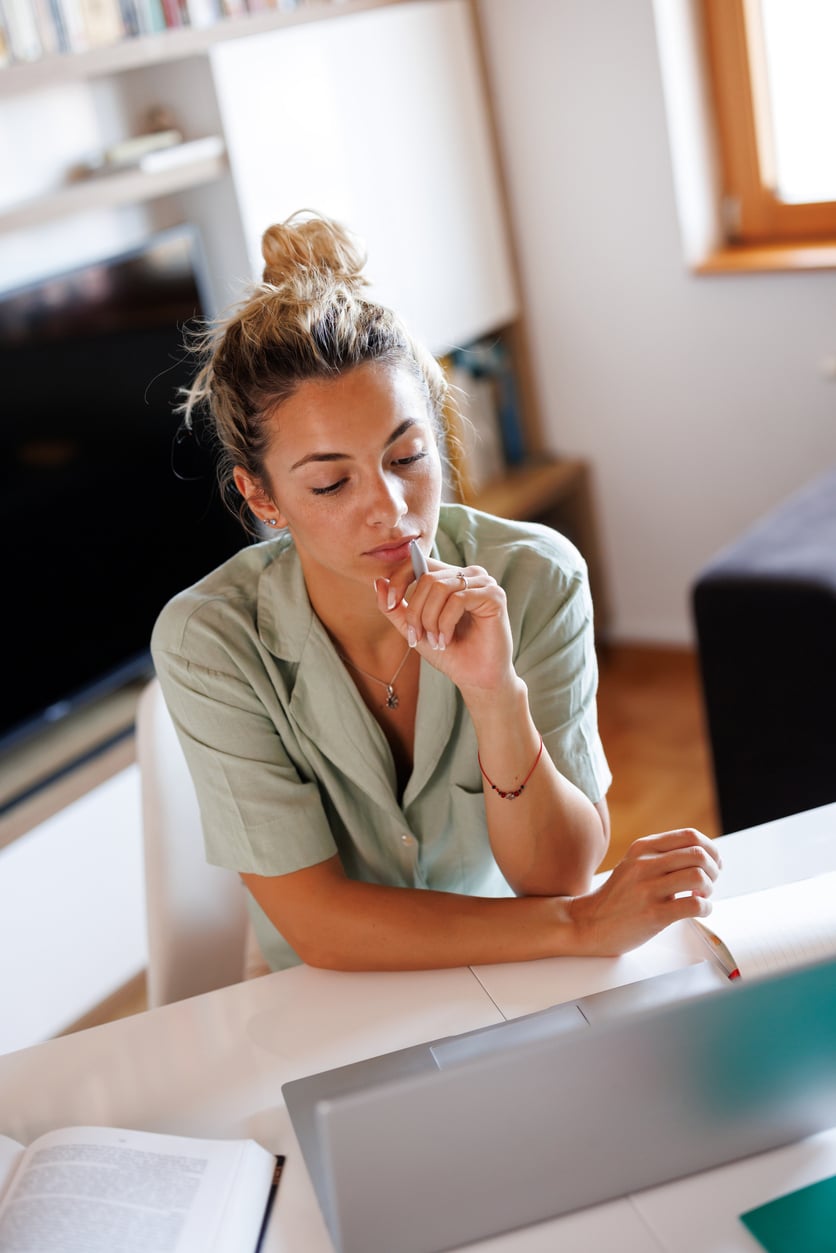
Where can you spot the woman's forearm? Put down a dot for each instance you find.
(550, 838)
(363, 926)
(340, 924)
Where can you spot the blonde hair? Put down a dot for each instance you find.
(307, 319)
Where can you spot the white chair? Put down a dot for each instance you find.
(198, 932)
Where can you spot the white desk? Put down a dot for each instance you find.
(777, 852)
(214, 1066)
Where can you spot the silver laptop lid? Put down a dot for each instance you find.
(440, 1157)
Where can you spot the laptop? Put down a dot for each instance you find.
(432, 1147)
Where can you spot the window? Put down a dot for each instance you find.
(771, 66)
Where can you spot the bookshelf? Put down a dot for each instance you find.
(173, 44)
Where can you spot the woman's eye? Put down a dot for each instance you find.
(329, 490)
(408, 461)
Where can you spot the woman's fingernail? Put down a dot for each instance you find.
(411, 637)
(391, 598)
(432, 641)
(442, 643)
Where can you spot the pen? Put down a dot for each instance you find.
(419, 561)
(271, 1197)
(721, 953)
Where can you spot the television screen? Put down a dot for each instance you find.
(108, 509)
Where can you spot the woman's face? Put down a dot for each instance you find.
(355, 475)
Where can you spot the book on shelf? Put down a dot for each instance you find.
(176, 14)
(50, 28)
(70, 14)
(775, 929)
(104, 1187)
(151, 16)
(484, 414)
(21, 29)
(483, 459)
(102, 22)
(129, 12)
(32, 29)
(485, 369)
(203, 13)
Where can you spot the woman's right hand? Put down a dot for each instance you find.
(660, 879)
(458, 619)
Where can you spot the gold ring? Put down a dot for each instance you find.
(463, 581)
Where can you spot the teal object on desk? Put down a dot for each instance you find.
(800, 1222)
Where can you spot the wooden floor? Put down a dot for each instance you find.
(650, 715)
(651, 720)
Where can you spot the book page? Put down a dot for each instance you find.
(10, 1154)
(778, 928)
(103, 1189)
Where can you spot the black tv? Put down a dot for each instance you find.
(107, 507)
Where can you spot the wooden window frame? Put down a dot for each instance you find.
(754, 217)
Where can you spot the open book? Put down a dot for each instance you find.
(101, 1188)
(775, 929)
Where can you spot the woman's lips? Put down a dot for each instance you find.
(392, 553)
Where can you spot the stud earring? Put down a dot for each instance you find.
(271, 521)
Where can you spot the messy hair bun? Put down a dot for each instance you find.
(305, 248)
(308, 319)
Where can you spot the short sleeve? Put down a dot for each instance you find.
(259, 814)
(545, 581)
(557, 661)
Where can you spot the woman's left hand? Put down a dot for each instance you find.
(458, 620)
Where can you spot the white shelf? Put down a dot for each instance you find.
(111, 190)
(169, 45)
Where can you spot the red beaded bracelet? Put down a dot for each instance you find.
(510, 796)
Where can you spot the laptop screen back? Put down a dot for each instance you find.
(440, 1157)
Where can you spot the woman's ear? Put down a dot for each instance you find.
(258, 501)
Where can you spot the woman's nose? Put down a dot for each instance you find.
(386, 504)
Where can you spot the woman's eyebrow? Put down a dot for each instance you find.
(345, 456)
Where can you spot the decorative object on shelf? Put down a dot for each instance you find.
(160, 147)
(167, 158)
(130, 152)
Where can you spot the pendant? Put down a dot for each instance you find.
(392, 701)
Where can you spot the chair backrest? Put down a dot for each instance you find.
(196, 913)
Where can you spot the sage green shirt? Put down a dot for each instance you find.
(290, 766)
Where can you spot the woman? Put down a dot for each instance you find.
(405, 772)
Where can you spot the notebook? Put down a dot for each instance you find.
(431, 1147)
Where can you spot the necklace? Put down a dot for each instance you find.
(392, 701)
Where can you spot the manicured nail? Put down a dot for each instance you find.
(411, 637)
(442, 643)
(432, 641)
(391, 598)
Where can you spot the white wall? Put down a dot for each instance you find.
(698, 401)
